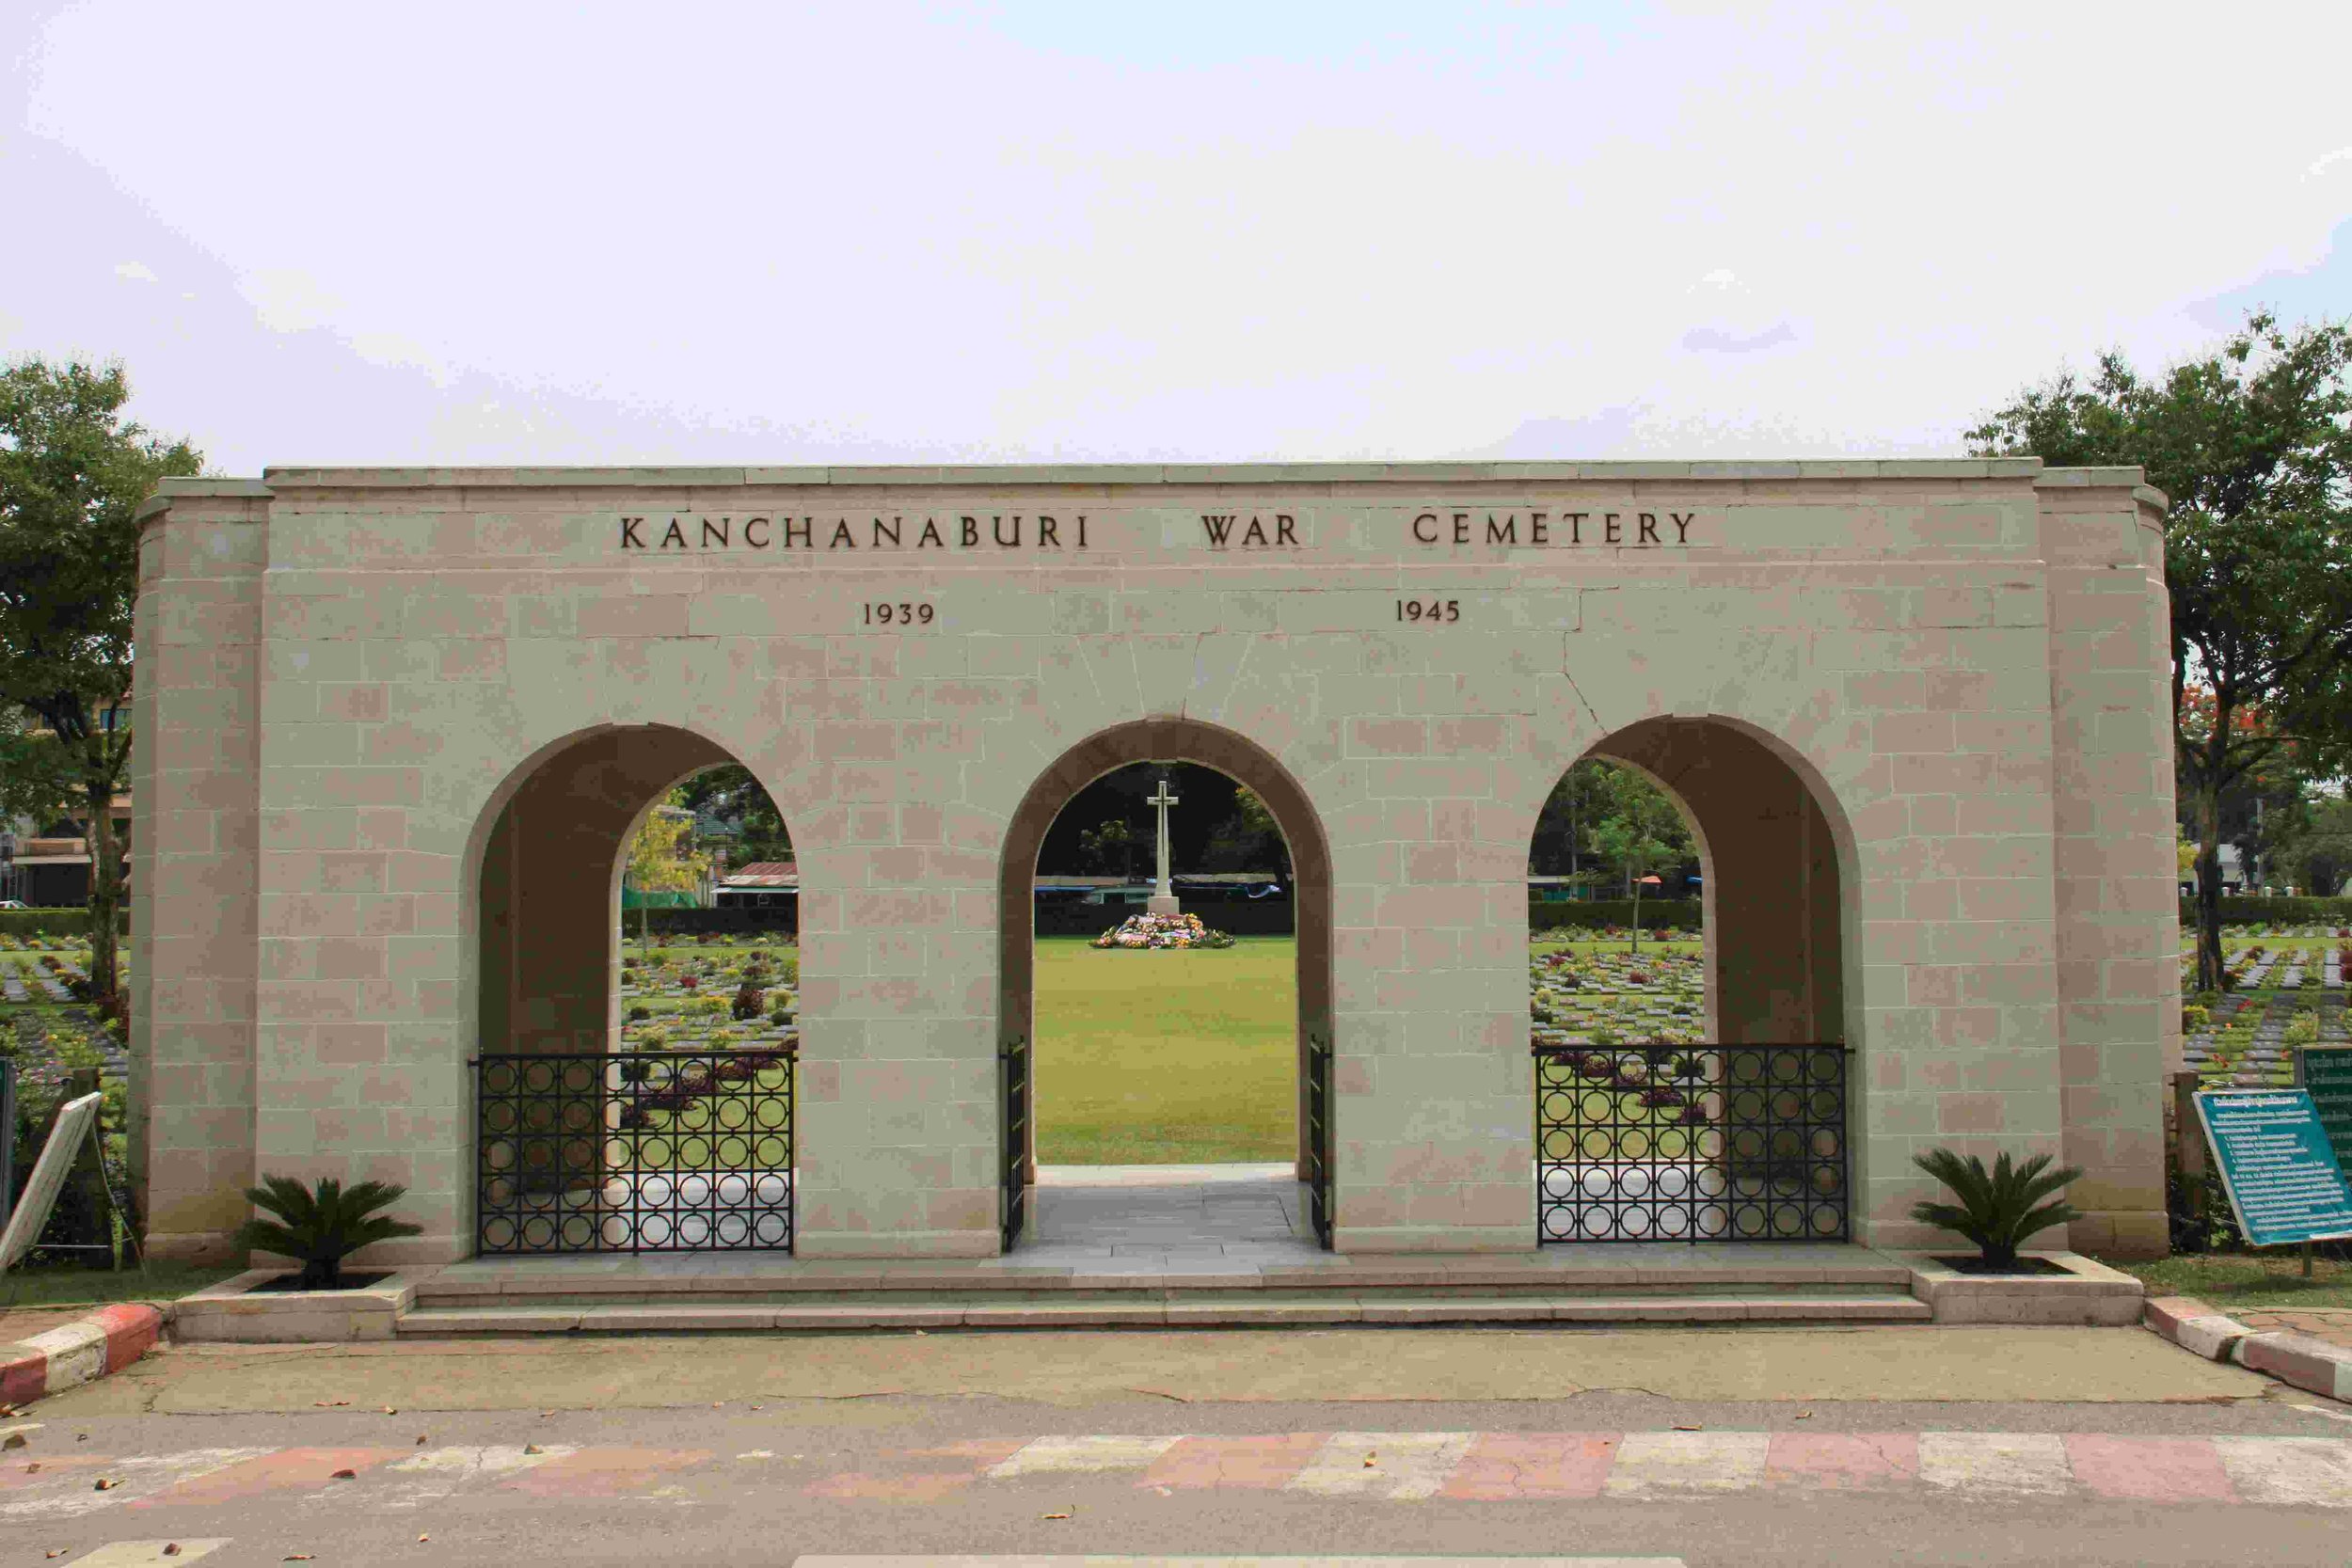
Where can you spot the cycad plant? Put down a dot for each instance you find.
(1997, 1209)
(321, 1225)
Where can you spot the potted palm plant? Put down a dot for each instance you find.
(1997, 1209)
(321, 1225)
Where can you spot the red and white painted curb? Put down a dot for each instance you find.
(2296, 1359)
(80, 1351)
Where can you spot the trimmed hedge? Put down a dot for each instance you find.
(69, 921)
(2275, 911)
(1657, 915)
(705, 923)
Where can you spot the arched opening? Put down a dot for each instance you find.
(1088, 1209)
(636, 1100)
(1693, 1089)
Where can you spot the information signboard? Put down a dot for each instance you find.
(2275, 1163)
(41, 1193)
(2326, 1071)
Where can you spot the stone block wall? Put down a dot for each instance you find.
(1929, 665)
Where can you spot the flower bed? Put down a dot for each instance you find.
(1161, 933)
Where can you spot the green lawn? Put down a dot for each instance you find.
(2273, 1279)
(1166, 1058)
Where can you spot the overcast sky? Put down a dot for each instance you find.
(588, 232)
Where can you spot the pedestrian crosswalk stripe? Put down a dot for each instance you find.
(1063, 1455)
(139, 1554)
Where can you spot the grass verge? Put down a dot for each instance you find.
(2224, 1280)
(157, 1281)
(1167, 1058)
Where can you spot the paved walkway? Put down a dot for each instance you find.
(2331, 1323)
(1149, 1216)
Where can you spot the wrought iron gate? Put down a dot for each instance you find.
(1696, 1143)
(635, 1151)
(1012, 1074)
(1319, 1135)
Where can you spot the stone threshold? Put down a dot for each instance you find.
(1886, 1306)
(1582, 1269)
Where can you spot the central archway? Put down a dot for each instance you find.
(1163, 740)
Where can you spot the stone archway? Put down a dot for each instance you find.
(583, 1144)
(1747, 1133)
(1239, 758)
(1771, 884)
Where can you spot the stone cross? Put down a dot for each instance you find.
(1163, 899)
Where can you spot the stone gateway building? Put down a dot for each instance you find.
(396, 725)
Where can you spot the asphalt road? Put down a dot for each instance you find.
(1004, 1444)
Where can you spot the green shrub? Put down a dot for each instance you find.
(2194, 1018)
(2274, 912)
(1659, 915)
(652, 1037)
(788, 968)
(639, 1012)
(321, 1225)
(1999, 1208)
(2302, 1029)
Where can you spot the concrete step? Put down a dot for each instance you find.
(1143, 1291)
(1238, 1309)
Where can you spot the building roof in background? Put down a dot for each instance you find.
(763, 874)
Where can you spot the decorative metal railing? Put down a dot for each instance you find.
(1012, 1075)
(635, 1151)
(1319, 1135)
(1691, 1143)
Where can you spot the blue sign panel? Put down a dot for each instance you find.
(2275, 1162)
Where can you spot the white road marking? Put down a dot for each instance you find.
(75, 1490)
(947, 1560)
(1663, 1463)
(2025, 1464)
(1047, 1456)
(135, 1553)
(434, 1474)
(1404, 1466)
(2311, 1471)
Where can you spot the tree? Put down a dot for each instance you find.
(1561, 845)
(1249, 840)
(73, 473)
(1639, 829)
(2252, 444)
(730, 793)
(2314, 844)
(661, 857)
(1109, 842)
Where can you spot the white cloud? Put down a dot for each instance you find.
(287, 300)
(137, 272)
(1408, 232)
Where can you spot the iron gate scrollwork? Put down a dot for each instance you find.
(1696, 1143)
(1013, 1073)
(1319, 1135)
(635, 1151)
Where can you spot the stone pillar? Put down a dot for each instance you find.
(2116, 880)
(195, 791)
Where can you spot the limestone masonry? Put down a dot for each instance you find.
(394, 727)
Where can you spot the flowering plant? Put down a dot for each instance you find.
(1160, 933)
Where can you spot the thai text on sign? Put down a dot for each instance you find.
(2276, 1163)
